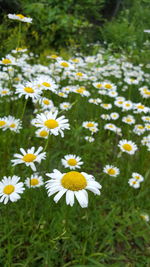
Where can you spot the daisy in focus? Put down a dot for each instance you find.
(127, 146)
(72, 162)
(73, 184)
(29, 157)
(10, 189)
(34, 181)
(49, 122)
(28, 90)
(111, 170)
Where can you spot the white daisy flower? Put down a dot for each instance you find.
(134, 183)
(42, 133)
(109, 86)
(139, 108)
(29, 157)
(20, 17)
(48, 121)
(74, 184)
(110, 126)
(145, 92)
(62, 94)
(10, 189)
(64, 64)
(28, 90)
(139, 129)
(9, 60)
(138, 177)
(146, 118)
(127, 146)
(3, 123)
(98, 85)
(34, 181)
(65, 106)
(111, 170)
(14, 124)
(81, 91)
(127, 105)
(112, 93)
(147, 126)
(106, 106)
(114, 115)
(89, 124)
(72, 162)
(46, 103)
(128, 119)
(119, 102)
(5, 92)
(46, 83)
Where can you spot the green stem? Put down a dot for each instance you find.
(24, 109)
(47, 141)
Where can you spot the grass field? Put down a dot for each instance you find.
(95, 110)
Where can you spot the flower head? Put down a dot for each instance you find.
(10, 189)
(74, 184)
(29, 157)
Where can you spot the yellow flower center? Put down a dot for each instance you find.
(6, 61)
(128, 120)
(79, 74)
(20, 16)
(64, 64)
(29, 157)
(108, 86)
(13, 125)
(74, 181)
(141, 107)
(137, 177)
(46, 101)
(51, 124)
(147, 92)
(99, 85)
(8, 189)
(127, 147)
(61, 94)
(17, 79)
(75, 60)
(72, 162)
(46, 84)
(2, 123)
(105, 105)
(140, 127)
(29, 90)
(4, 92)
(80, 90)
(54, 56)
(19, 49)
(111, 171)
(90, 124)
(43, 133)
(34, 181)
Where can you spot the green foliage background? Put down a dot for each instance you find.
(71, 23)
